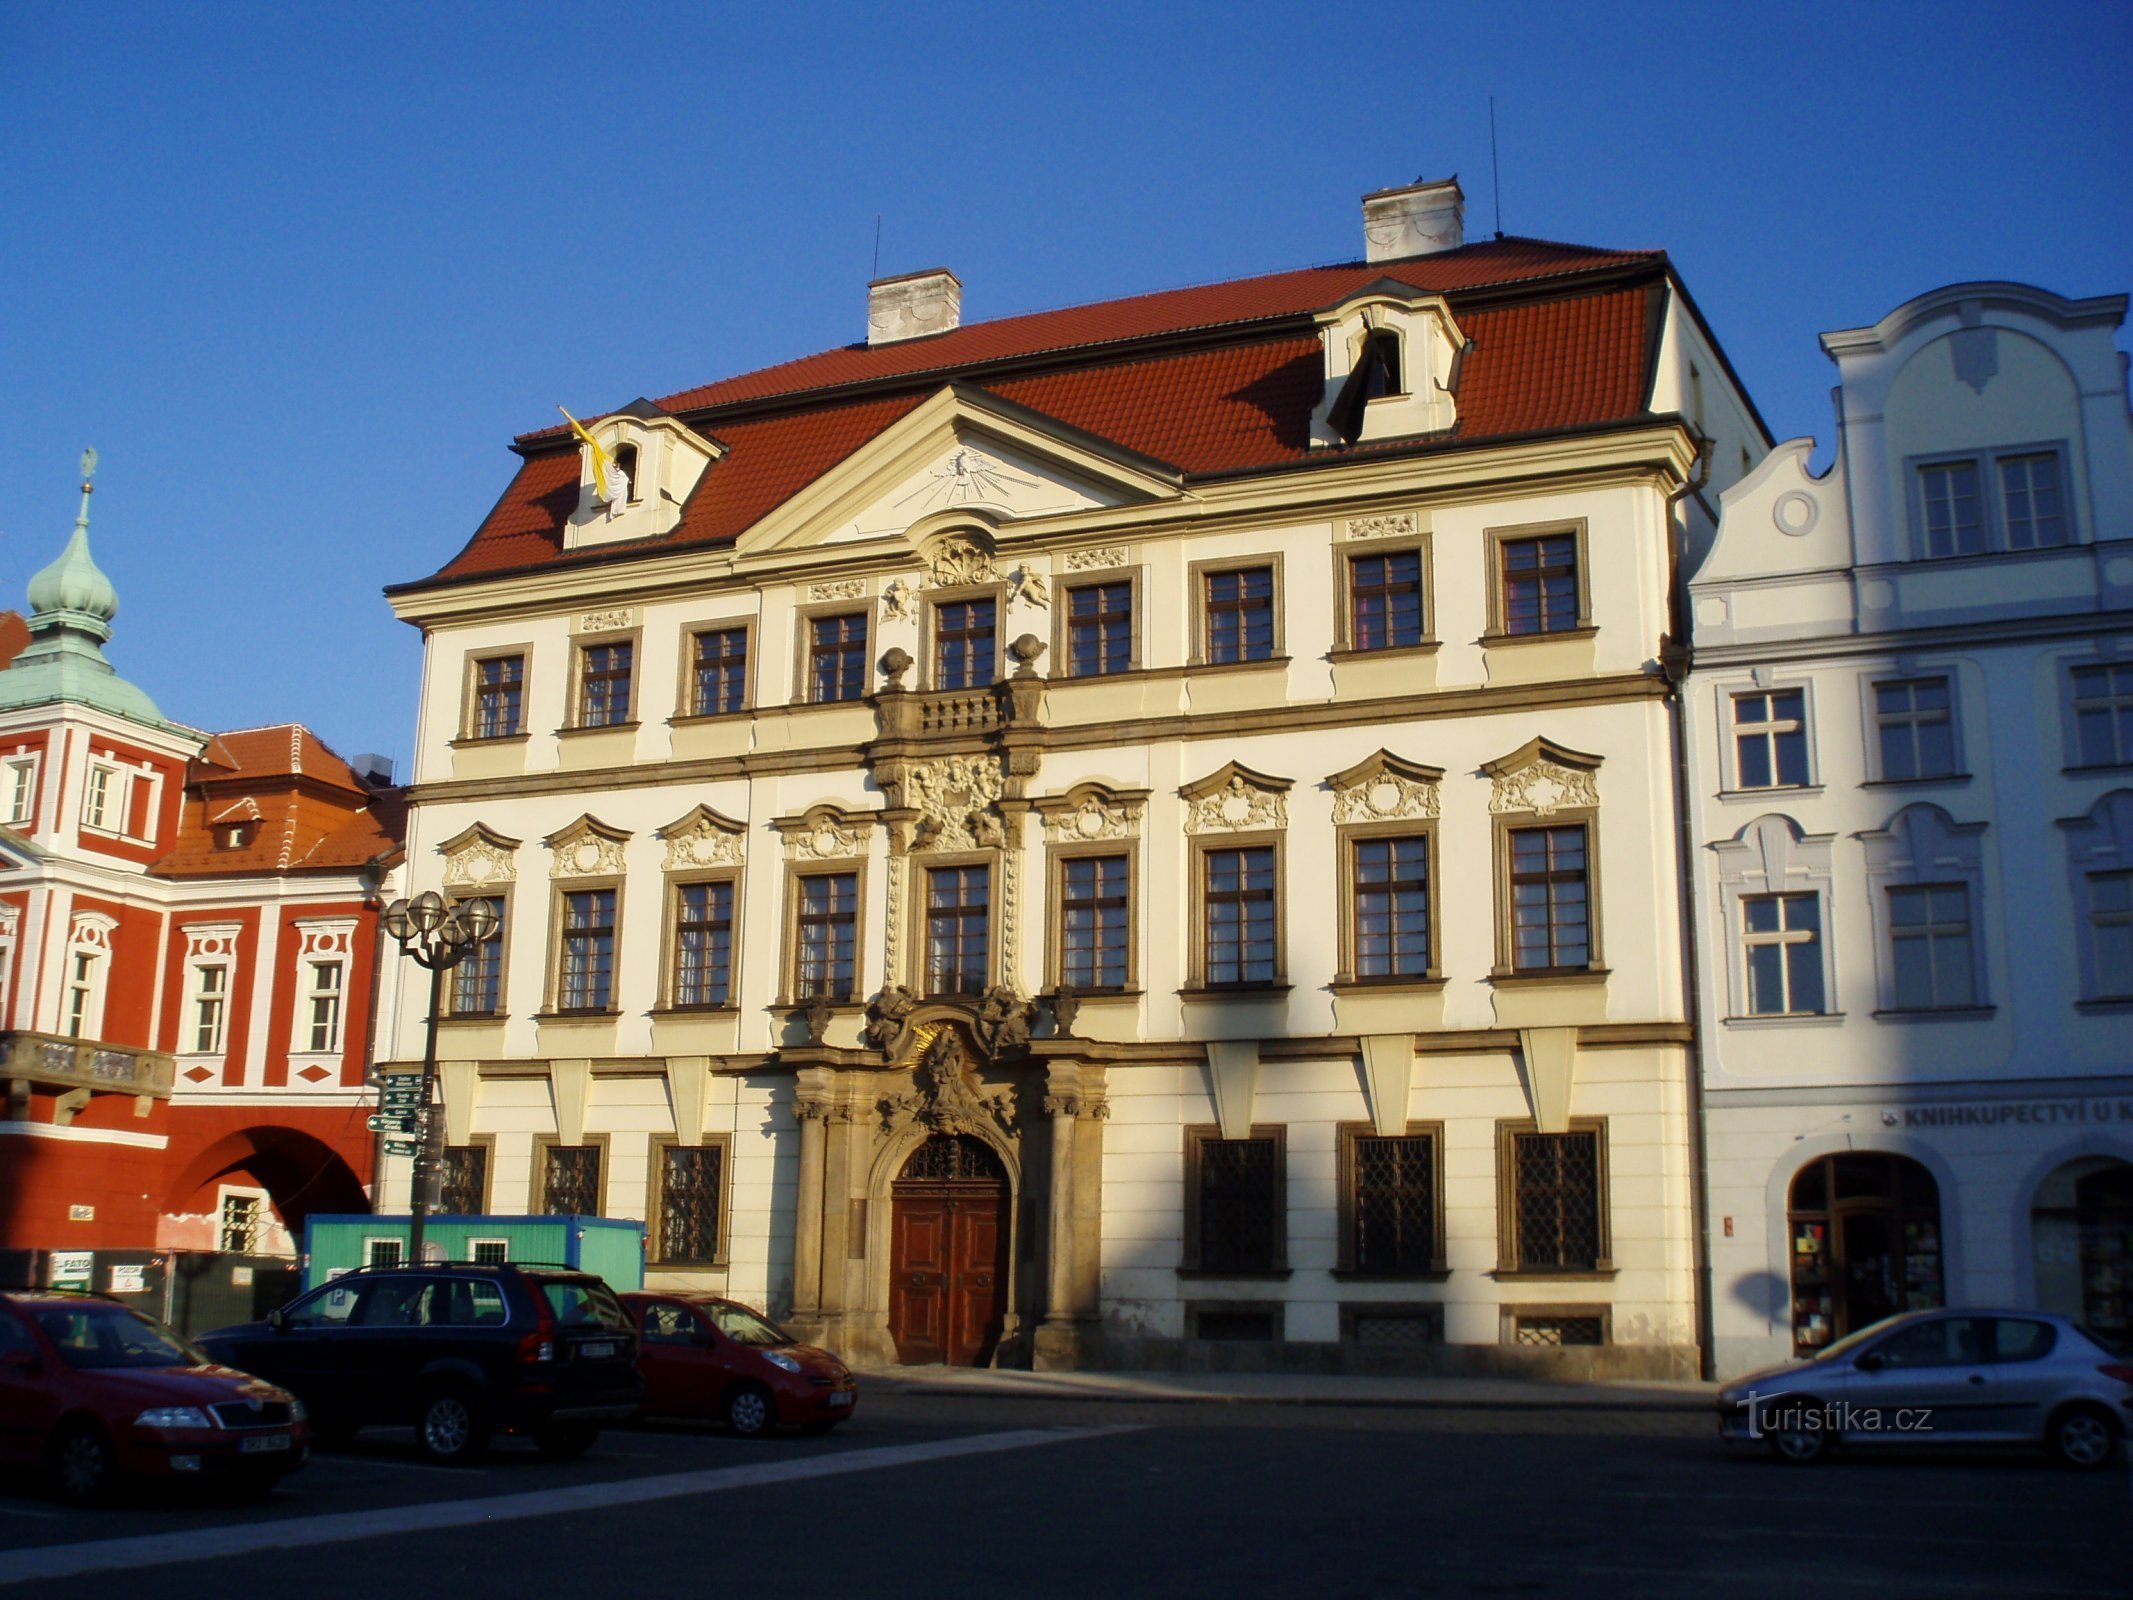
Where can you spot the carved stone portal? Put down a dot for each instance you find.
(945, 1098)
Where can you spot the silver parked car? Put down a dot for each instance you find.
(1943, 1377)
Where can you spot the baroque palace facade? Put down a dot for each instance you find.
(1144, 833)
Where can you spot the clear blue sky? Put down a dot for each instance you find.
(301, 271)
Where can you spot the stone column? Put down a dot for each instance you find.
(811, 1107)
(1058, 1339)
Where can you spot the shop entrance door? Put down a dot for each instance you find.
(1865, 1230)
(948, 1253)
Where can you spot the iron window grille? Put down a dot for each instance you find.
(1240, 615)
(2103, 715)
(1099, 629)
(1385, 600)
(1540, 584)
(1393, 1198)
(604, 685)
(1770, 739)
(1240, 911)
(588, 971)
(1929, 938)
(478, 980)
(964, 643)
(721, 671)
(1914, 723)
(463, 1180)
(1783, 935)
(1552, 1331)
(828, 929)
(689, 1189)
(1239, 1220)
(241, 1217)
(1095, 905)
(952, 1158)
(1551, 912)
(1556, 1202)
(837, 656)
(570, 1180)
(499, 697)
(489, 1253)
(703, 943)
(958, 922)
(1392, 931)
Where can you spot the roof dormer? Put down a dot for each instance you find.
(636, 469)
(1392, 359)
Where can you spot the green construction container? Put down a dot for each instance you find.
(613, 1247)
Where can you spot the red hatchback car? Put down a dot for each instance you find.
(706, 1357)
(91, 1389)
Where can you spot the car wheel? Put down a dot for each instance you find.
(750, 1411)
(2082, 1437)
(1802, 1437)
(84, 1466)
(453, 1427)
(565, 1441)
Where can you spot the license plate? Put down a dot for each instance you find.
(595, 1350)
(258, 1444)
(842, 1397)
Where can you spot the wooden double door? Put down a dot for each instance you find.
(948, 1263)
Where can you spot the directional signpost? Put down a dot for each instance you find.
(401, 1113)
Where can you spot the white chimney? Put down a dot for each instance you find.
(1419, 220)
(913, 305)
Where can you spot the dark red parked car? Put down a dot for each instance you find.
(90, 1389)
(706, 1357)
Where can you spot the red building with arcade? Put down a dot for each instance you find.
(188, 943)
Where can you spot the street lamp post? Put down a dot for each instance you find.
(439, 937)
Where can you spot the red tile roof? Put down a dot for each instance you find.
(1560, 340)
(307, 810)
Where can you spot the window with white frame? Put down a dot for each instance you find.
(1770, 739)
(210, 970)
(243, 1222)
(1774, 889)
(1992, 500)
(87, 971)
(103, 802)
(324, 999)
(322, 962)
(2099, 850)
(2100, 714)
(1925, 876)
(20, 779)
(1914, 728)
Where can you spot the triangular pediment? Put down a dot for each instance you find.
(964, 450)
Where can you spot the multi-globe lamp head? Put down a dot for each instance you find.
(431, 927)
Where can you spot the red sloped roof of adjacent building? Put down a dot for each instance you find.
(306, 809)
(1560, 339)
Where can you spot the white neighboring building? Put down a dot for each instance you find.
(1099, 835)
(1912, 759)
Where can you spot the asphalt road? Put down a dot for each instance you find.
(928, 1495)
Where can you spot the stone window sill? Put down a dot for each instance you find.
(1350, 652)
(1571, 978)
(1492, 640)
(1599, 1274)
(467, 739)
(576, 730)
(1222, 1275)
(1940, 1014)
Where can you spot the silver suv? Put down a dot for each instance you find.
(1943, 1377)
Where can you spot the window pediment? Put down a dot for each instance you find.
(1775, 849)
(1384, 788)
(588, 848)
(478, 857)
(1093, 811)
(826, 833)
(1235, 799)
(703, 838)
(1543, 777)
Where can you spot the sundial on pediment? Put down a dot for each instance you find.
(966, 478)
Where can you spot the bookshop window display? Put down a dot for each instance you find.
(2081, 1234)
(1865, 1231)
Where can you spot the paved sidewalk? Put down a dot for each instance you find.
(1301, 1389)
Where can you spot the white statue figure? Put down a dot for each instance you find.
(618, 487)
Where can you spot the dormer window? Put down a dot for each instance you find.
(1392, 360)
(630, 491)
(637, 468)
(1376, 377)
(233, 835)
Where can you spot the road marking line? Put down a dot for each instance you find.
(248, 1538)
(389, 1461)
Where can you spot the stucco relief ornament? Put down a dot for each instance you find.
(958, 562)
(701, 841)
(837, 589)
(1031, 587)
(1003, 1021)
(899, 600)
(1385, 795)
(885, 1016)
(584, 851)
(479, 861)
(942, 1096)
(1544, 788)
(955, 796)
(1093, 560)
(1096, 819)
(827, 840)
(1389, 526)
(1237, 806)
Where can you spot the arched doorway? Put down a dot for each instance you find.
(1865, 1238)
(2081, 1234)
(948, 1253)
